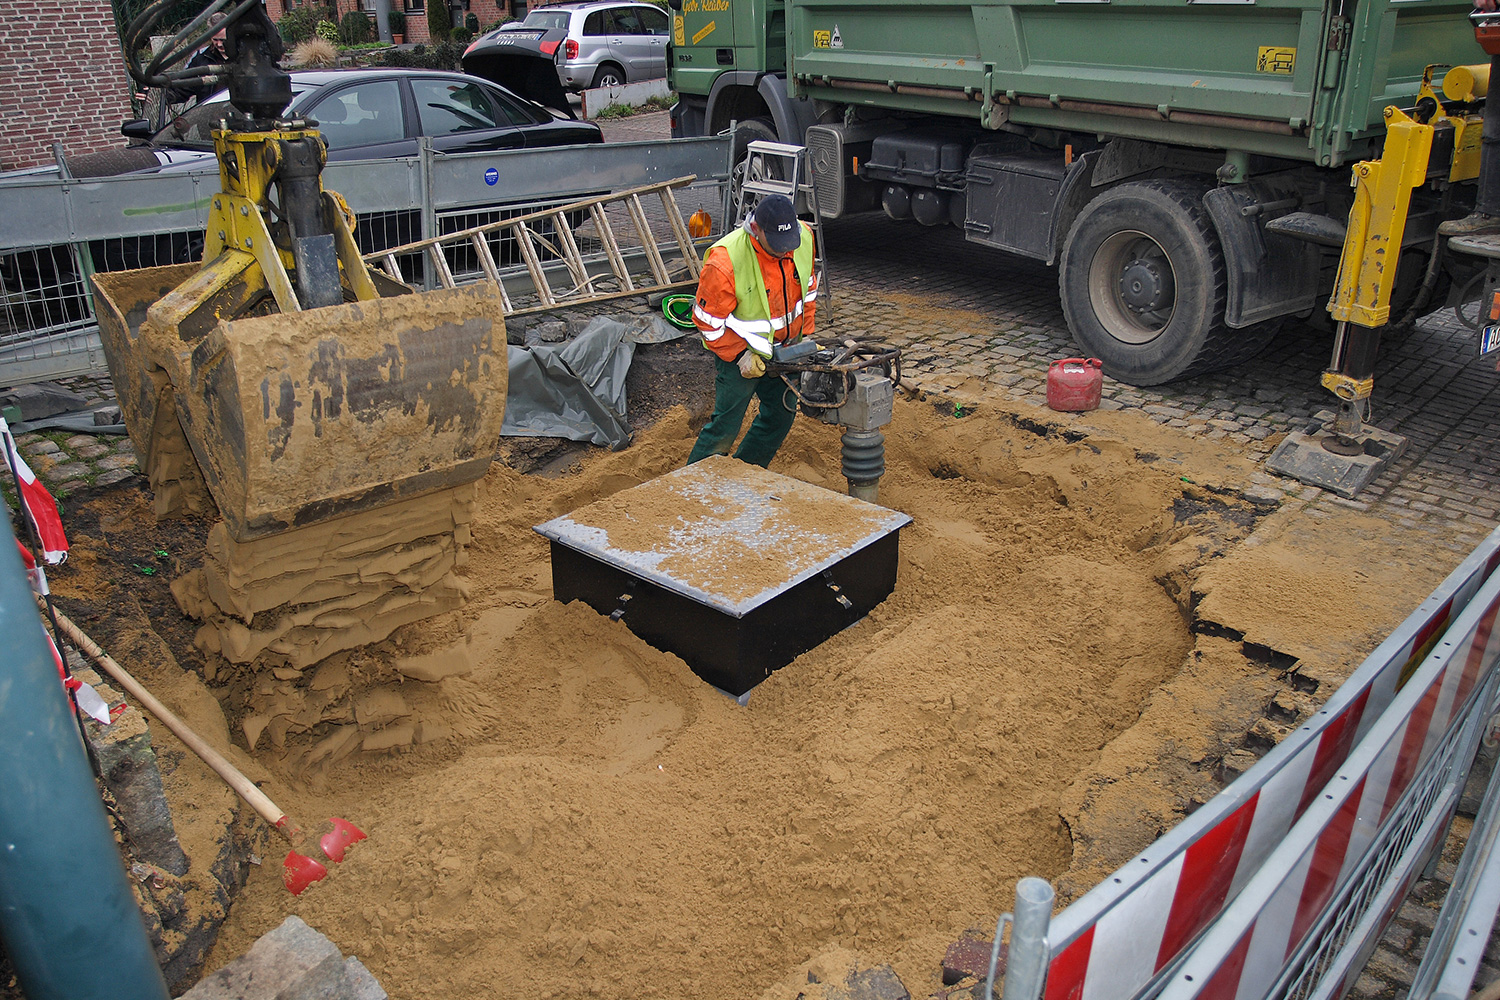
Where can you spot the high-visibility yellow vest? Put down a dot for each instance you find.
(751, 318)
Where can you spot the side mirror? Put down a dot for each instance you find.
(140, 128)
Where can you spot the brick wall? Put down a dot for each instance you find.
(65, 79)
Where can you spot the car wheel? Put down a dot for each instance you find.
(609, 75)
(1143, 284)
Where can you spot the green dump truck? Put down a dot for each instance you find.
(1186, 166)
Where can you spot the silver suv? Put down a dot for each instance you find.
(598, 44)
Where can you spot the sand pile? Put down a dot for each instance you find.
(603, 823)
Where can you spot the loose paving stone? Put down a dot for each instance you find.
(59, 473)
(116, 461)
(42, 447)
(112, 477)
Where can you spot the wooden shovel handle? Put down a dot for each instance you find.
(236, 780)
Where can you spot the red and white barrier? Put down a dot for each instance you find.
(1118, 938)
(1246, 950)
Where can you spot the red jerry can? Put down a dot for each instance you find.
(1074, 384)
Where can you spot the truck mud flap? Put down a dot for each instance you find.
(1269, 274)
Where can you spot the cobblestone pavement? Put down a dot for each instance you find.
(977, 324)
(989, 324)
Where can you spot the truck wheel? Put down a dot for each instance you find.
(1142, 282)
(752, 130)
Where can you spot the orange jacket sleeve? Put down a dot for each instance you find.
(714, 301)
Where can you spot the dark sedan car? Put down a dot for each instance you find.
(368, 114)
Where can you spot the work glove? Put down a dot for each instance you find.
(752, 365)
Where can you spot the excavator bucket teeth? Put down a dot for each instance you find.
(296, 418)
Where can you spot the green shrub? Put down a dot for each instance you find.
(461, 35)
(471, 22)
(439, 20)
(397, 22)
(301, 23)
(328, 31)
(443, 56)
(354, 28)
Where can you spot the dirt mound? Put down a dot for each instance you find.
(602, 822)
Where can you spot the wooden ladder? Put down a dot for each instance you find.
(547, 243)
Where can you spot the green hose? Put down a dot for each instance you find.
(678, 309)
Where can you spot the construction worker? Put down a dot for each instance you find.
(758, 288)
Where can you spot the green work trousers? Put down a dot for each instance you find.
(732, 392)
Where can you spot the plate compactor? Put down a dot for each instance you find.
(852, 384)
(335, 419)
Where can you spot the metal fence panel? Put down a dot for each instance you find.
(55, 233)
(1462, 931)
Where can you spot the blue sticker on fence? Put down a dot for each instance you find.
(491, 176)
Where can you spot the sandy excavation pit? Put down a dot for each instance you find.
(570, 812)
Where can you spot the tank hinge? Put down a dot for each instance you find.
(624, 599)
(838, 593)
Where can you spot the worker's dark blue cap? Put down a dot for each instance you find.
(777, 220)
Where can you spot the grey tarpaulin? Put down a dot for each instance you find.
(576, 389)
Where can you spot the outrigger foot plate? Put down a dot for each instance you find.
(1314, 455)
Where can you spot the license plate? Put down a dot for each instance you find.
(1489, 339)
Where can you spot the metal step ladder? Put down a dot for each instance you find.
(763, 160)
(590, 250)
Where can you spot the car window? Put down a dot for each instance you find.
(596, 24)
(361, 115)
(546, 19)
(446, 107)
(655, 21)
(508, 108)
(195, 126)
(628, 22)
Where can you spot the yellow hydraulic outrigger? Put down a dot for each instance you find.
(1345, 454)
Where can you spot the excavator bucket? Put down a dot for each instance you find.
(289, 419)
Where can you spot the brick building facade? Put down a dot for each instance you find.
(65, 79)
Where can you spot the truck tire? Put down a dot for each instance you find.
(1142, 283)
(748, 131)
